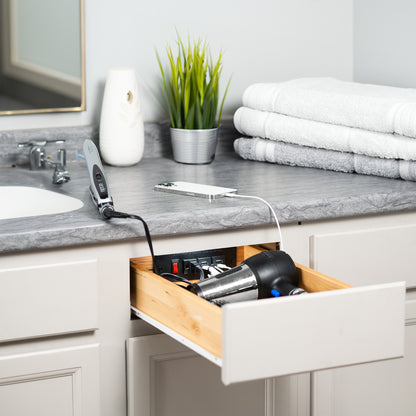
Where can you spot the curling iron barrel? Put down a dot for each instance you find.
(264, 275)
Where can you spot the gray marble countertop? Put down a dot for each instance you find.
(297, 194)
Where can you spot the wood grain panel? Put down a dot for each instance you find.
(187, 314)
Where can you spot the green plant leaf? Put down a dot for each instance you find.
(191, 84)
(167, 96)
(189, 124)
(198, 116)
(223, 99)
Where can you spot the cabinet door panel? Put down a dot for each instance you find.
(166, 378)
(60, 382)
(41, 396)
(383, 389)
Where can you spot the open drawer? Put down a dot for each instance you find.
(333, 325)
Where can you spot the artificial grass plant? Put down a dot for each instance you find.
(191, 85)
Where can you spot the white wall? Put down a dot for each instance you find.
(384, 42)
(263, 40)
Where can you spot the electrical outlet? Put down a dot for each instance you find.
(188, 267)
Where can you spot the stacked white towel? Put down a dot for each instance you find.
(370, 107)
(374, 127)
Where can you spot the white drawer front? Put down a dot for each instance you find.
(367, 257)
(48, 300)
(290, 335)
(275, 337)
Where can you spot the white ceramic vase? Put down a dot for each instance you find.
(121, 126)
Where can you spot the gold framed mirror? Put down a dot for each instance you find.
(42, 56)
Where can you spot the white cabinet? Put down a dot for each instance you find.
(70, 329)
(379, 254)
(44, 296)
(62, 382)
(67, 315)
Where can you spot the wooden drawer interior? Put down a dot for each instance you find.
(191, 316)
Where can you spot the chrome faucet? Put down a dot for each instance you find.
(39, 160)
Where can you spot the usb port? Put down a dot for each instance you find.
(204, 261)
(218, 260)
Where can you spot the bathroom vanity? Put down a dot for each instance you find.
(70, 345)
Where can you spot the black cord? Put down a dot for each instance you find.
(174, 277)
(201, 270)
(109, 213)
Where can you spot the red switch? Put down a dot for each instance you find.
(175, 268)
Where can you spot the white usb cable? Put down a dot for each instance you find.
(233, 195)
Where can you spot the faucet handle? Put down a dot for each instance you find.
(34, 143)
(61, 157)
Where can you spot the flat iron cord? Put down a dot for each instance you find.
(109, 213)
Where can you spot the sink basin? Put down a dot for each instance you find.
(25, 201)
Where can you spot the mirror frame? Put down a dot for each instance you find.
(82, 106)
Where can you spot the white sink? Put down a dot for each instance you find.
(25, 201)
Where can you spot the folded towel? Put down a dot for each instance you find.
(291, 154)
(370, 107)
(303, 132)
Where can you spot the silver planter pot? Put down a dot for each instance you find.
(194, 147)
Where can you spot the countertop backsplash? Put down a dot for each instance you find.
(157, 141)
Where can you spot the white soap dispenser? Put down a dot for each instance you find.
(121, 139)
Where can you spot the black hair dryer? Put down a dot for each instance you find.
(266, 274)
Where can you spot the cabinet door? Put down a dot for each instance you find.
(166, 378)
(60, 382)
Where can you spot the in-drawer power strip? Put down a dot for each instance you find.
(188, 264)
